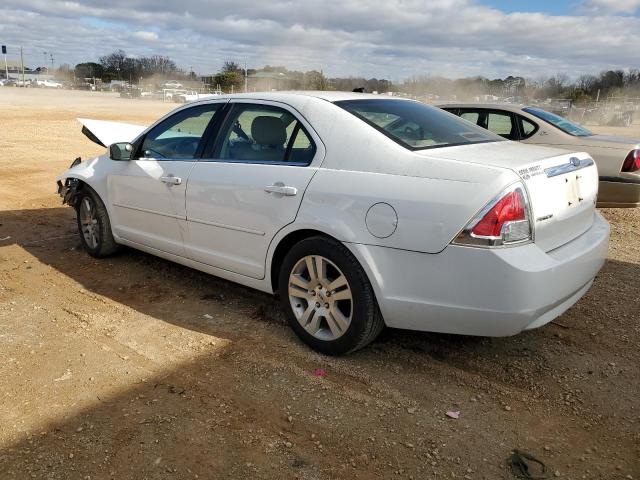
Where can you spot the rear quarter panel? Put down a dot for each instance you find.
(430, 211)
(434, 198)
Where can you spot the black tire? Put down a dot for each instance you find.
(105, 244)
(366, 319)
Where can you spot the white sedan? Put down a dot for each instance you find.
(360, 211)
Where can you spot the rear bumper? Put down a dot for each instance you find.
(618, 192)
(486, 292)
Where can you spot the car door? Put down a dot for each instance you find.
(250, 185)
(147, 193)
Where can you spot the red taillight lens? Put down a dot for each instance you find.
(510, 208)
(632, 162)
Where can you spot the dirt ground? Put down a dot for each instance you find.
(137, 368)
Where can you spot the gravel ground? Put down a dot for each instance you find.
(135, 367)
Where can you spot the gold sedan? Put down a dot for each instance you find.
(617, 158)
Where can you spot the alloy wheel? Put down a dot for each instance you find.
(320, 297)
(89, 222)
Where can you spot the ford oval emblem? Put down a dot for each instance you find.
(575, 161)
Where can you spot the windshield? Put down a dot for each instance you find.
(415, 125)
(559, 122)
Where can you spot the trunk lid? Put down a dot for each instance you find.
(606, 141)
(562, 186)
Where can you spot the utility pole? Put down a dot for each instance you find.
(246, 77)
(6, 66)
(51, 55)
(22, 65)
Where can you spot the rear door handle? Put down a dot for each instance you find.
(171, 180)
(281, 189)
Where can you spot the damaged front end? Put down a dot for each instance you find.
(69, 189)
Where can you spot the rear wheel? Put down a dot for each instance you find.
(94, 225)
(327, 297)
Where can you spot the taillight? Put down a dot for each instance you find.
(504, 221)
(632, 162)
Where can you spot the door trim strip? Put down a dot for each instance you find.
(146, 210)
(228, 227)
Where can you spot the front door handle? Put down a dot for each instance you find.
(281, 189)
(171, 180)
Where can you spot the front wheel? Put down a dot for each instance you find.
(94, 225)
(328, 298)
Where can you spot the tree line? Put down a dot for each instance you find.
(231, 77)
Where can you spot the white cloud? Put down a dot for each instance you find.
(394, 39)
(146, 36)
(613, 6)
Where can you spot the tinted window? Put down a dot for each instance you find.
(265, 134)
(178, 136)
(527, 127)
(415, 125)
(559, 122)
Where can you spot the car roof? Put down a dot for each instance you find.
(510, 107)
(296, 96)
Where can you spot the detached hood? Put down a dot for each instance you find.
(105, 133)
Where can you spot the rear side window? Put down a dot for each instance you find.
(416, 126)
(502, 124)
(264, 134)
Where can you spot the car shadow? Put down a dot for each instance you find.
(220, 415)
(151, 286)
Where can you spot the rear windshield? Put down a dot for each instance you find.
(417, 126)
(559, 122)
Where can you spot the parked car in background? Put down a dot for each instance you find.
(172, 84)
(192, 96)
(7, 82)
(361, 211)
(48, 84)
(618, 158)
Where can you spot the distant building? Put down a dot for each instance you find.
(15, 71)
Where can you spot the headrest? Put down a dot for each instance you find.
(267, 130)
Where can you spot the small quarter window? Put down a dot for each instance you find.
(528, 128)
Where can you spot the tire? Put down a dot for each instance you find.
(340, 319)
(94, 226)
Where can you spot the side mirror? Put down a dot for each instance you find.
(120, 151)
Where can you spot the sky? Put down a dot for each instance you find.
(393, 39)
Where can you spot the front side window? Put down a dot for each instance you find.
(179, 136)
(265, 134)
(557, 121)
(415, 125)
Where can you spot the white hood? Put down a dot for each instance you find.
(105, 133)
